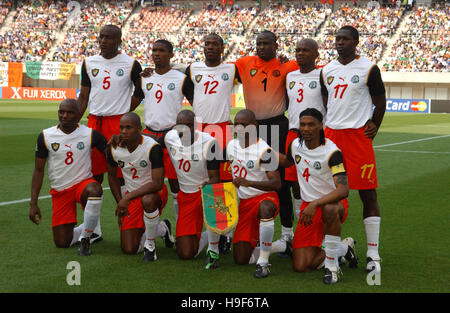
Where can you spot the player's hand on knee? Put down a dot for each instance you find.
(35, 214)
(307, 215)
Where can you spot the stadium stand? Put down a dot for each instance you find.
(5, 7)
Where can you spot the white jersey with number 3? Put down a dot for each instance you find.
(246, 163)
(349, 101)
(163, 99)
(189, 161)
(136, 166)
(212, 91)
(69, 156)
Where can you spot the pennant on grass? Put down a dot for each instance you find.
(220, 207)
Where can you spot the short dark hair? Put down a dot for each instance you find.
(353, 31)
(270, 34)
(165, 42)
(216, 36)
(116, 29)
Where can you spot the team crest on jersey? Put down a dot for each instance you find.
(355, 79)
(198, 78)
(276, 73)
(194, 157)
(171, 86)
(291, 85)
(95, 72)
(143, 163)
(313, 84)
(80, 145)
(317, 165)
(330, 79)
(149, 86)
(121, 164)
(250, 164)
(297, 158)
(253, 72)
(120, 72)
(55, 146)
(225, 76)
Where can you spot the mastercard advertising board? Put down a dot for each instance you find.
(408, 105)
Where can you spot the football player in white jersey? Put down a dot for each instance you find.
(303, 91)
(67, 147)
(141, 160)
(254, 167)
(351, 86)
(196, 156)
(164, 92)
(324, 188)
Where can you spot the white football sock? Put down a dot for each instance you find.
(161, 229)
(297, 205)
(342, 249)
(76, 234)
(266, 230)
(372, 226)
(213, 241)
(142, 243)
(91, 215)
(151, 221)
(331, 251)
(175, 206)
(287, 232)
(277, 246)
(202, 242)
(98, 228)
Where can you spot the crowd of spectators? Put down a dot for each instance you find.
(19, 45)
(5, 7)
(160, 19)
(40, 14)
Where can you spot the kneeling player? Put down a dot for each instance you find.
(254, 168)
(67, 147)
(324, 189)
(194, 154)
(141, 161)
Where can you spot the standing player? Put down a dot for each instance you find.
(107, 82)
(351, 86)
(67, 147)
(324, 188)
(254, 167)
(264, 80)
(194, 154)
(213, 84)
(303, 91)
(141, 161)
(164, 92)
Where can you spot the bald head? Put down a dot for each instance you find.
(310, 43)
(71, 104)
(113, 29)
(246, 116)
(132, 118)
(186, 116)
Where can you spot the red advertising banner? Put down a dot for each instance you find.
(31, 93)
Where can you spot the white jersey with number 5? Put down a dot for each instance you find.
(189, 161)
(246, 163)
(163, 99)
(212, 91)
(111, 84)
(136, 166)
(69, 156)
(303, 90)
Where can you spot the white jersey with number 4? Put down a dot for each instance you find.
(189, 161)
(111, 84)
(315, 177)
(136, 166)
(303, 90)
(69, 156)
(163, 99)
(349, 101)
(212, 91)
(246, 163)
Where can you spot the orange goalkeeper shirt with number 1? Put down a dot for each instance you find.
(264, 84)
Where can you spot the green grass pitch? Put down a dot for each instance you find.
(414, 184)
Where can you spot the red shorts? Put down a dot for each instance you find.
(169, 170)
(222, 132)
(247, 228)
(290, 173)
(107, 126)
(64, 203)
(136, 211)
(359, 157)
(312, 235)
(190, 214)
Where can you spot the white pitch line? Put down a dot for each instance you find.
(413, 151)
(410, 141)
